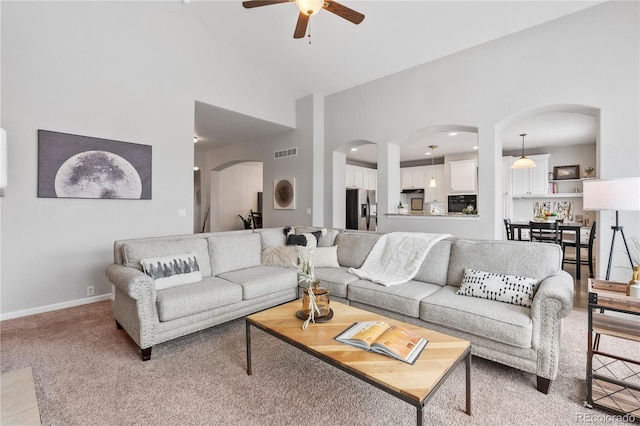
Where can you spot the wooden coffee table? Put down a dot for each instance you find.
(414, 384)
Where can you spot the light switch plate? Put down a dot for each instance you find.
(182, 212)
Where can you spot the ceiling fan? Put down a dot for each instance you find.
(308, 8)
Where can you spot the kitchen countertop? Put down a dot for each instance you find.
(427, 214)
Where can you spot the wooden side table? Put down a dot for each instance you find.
(613, 383)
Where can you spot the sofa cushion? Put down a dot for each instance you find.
(402, 298)
(509, 324)
(325, 257)
(262, 280)
(503, 288)
(523, 259)
(436, 265)
(170, 271)
(335, 280)
(282, 256)
(353, 247)
(272, 237)
(133, 252)
(232, 252)
(185, 300)
(326, 240)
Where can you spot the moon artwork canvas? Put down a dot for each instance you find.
(284, 194)
(71, 166)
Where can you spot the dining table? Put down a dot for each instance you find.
(569, 227)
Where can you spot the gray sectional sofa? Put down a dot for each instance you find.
(236, 283)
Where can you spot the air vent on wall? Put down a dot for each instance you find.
(290, 152)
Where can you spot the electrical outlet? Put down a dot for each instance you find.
(90, 290)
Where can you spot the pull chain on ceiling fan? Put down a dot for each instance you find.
(308, 8)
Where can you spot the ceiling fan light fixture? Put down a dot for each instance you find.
(523, 162)
(309, 7)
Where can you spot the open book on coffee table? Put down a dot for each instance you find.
(384, 338)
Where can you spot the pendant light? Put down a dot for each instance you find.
(432, 182)
(523, 162)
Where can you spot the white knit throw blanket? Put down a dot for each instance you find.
(396, 257)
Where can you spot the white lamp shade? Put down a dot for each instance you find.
(523, 163)
(612, 194)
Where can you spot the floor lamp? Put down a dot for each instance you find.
(613, 194)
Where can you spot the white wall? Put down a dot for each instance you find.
(589, 58)
(125, 71)
(114, 70)
(239, 187)
(300, 167)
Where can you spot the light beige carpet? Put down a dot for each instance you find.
(87, 372)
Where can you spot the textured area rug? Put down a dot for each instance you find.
(87, 372)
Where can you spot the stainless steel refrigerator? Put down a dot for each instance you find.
(361, 210)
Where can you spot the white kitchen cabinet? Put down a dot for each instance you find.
(350, 176)
(370, 179)
(439, 192)
(463, 176)
(360, 177)
(412, 177)
(534, 181)
(507, 201)
(506, 175)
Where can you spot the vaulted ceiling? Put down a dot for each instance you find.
(394, 36)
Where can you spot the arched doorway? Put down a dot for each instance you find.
(558, 137)
(235, 189)
(355, 169)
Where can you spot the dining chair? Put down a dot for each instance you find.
(256, 219)
(578, 245)
(507, 225)
(546, 232)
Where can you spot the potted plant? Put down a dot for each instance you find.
(469, 210)
(401, 209)
(588, 172)
(634, 254)
(246, 221)
(315, 301)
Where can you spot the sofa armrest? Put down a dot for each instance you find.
(130, 281)
(558, 287)
(552, 302)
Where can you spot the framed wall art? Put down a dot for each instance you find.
(566, 172)
(72, 166)
(417, 203)
(284, 194)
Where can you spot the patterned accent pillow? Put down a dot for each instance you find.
(503, 288)
(174, 270)
(307, 239)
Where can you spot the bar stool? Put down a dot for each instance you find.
(580, 245)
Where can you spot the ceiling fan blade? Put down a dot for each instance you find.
(343, 11)
(301, 26)
(257, 3)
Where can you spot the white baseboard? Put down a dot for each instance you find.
(55, 307)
